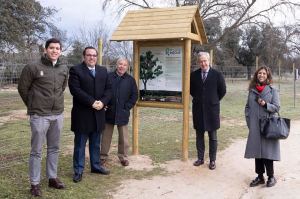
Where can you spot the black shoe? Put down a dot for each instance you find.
(56, 183)
(212, 165)
(77, 177)
(198, 162)
(257, 181)
(271, 182)
(35, 190)
(102, 170)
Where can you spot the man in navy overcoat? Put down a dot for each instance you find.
(91, 90)
(207, 88)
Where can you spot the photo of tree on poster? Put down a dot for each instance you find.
(148, 68)
(161, 73)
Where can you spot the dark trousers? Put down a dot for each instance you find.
(261, 164)
(79, 151)
(213, 144)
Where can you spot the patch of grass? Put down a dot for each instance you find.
(160, 137)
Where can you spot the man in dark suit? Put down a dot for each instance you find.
(91, 90)
(207, 87)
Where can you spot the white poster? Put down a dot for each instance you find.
(161, 68)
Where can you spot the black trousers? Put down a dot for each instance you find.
(213, 144)
(261, 164)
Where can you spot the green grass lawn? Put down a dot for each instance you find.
(160, 137)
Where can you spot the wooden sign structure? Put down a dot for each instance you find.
(167, 33)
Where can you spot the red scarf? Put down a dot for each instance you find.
(260, 88)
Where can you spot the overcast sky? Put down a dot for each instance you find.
(75, 13)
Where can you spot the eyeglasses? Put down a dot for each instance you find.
(89, 55)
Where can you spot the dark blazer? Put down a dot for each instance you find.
(125, 95)
(206, 99)
(85, 90)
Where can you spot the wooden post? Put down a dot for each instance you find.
(99, 60)
(279, 74)
(186, 98)
(256, 62)
(211, 54)
(135, 110)
(294, 78)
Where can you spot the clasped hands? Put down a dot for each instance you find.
(98, 105)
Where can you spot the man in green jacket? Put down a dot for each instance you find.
(41, 86)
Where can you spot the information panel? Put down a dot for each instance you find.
(161, 73)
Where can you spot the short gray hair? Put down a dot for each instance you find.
(123, 59)
(206, 54)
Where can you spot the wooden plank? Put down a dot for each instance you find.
(152, 31)
(160, 104)
(157, 18)
(135, 110)
(160, 20)
(151, 12)
(186, 99)
(174, 42)
(201, 28)
(164, 9)
(195, 24)
(194, 36)
(148, 37)
(154, 27)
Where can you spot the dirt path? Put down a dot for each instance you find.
(230, 180)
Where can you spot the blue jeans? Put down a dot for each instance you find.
(79, 151)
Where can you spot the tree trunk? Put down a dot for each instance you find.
(249, 72)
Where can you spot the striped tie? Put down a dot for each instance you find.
(204, 75)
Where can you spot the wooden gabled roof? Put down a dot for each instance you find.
(161, 23)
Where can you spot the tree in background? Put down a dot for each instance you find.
(23, 24)
(250, 48)
(148, 68)
(273, 47)
(232, 14)
(75, 56)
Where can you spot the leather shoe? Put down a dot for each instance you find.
(257, 181)
(102, 170)
(77, 177)
(56, 183)
(35, 190)
(124, 163)
(271, 182)
(212, 165)
(102, 162)
(198, 162)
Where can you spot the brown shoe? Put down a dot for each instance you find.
(35, 190)
(56, 183)
(124, 163)
(212, 165)
(102, 162)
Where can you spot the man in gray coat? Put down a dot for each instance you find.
(41, 88)
(207, 88)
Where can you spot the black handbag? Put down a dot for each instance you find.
(275, 127)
